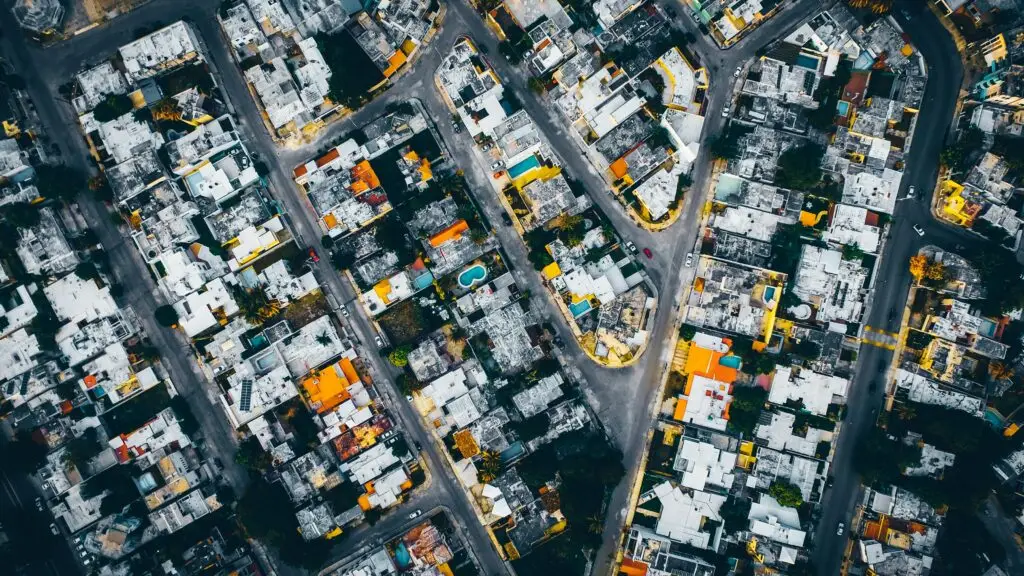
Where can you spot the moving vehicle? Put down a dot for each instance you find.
(648, 253)
(313, 255)
(911, 191)
(415, 514)
(345, 312)
(841, 529)
(919, 230)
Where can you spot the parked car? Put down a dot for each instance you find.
(39, 504)
(725, 113)
(689, 259)
(918, 229)
(631, 247)
(345, 312)
(911, 191)
(486, 147)
(498, 164)
(696, 18)
(53, 529)
(456, 127)
(379, 341)
(648, 253)
(415, 514)
(737, 72)
(841, 529)
(419, 447)
(313, 255)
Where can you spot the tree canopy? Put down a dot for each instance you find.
(799, 167)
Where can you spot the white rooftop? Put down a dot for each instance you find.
(921, 389)
(77, 300)
(708, 403)
(684, 515)
(815, 391)
(831, 284)
(702, 463)
(771, 520)
(849, 227)
(159, 51)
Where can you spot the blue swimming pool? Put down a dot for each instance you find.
(523, 167)
(579, 308)
(769, 293)
(809, 62)
(731, 362)
(472, 275)
(843, 107)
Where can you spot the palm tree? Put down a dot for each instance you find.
(1000, 371)
(490, 463)
(257, 307)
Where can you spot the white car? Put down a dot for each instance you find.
(497, 165)
(689, 259)
(739, 70)
(725, 113)
(911, 191)
(919, 230)
(345, 312)
(840, 529)
(379, 341)
(53, 529)
(631, 247)
(415, 514)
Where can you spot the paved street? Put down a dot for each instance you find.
(893, 279)
(623, 398)
(28, 528)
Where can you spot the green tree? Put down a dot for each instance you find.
(59, 181)
(166, 315)
(852, 252)
(21, 214)
(87, 271)
(112, 107)
(746, 407)
(399, 357)
(785, 494)
(807, 349)
(734, 512)
(687, 332)
(799, 167)
(252, 456)
(256, 307)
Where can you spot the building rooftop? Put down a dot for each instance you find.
(703, 463)
(832, 285)
(919, 388)
(163, 50)
(202, 310)
(257, 386)
(131, 178)
(734, 298)
(815, 391)
(685, 517)
(779, 433)
(277, 91)
(43, 249)
(854, 226)
(97, 83)
(771, 520)
(76, 300)
(536, 399)
(17, 354)
(242, 30)
(472, 87)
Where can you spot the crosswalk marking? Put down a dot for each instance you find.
(880, 338)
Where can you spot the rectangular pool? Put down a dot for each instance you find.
(523, 167)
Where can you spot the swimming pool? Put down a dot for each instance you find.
(843, 107)
(809, 62)
(472, 275)
(769, 293)
(579, 308)
(523, 167)
(731, 362)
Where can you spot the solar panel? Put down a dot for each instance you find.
(245, 403)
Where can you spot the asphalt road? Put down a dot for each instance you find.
(892, 281)
(28, 528)
(54, 66)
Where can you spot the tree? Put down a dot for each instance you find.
(799, 167)
(935, 271)
(537, 85)
(807, 349)
(734, 512)
(252, 456)
(1000, 371)
(399, 357)
(112, 107)
(87, 271)
(918, 264)
(687, 332)
(852, 252)
(490, 465)
(256, 307)
(166, 315)
(785, 494)
(408, 383)
(21, 214)
(746, 407)
(59, 181)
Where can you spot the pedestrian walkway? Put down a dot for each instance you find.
(880, 338)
